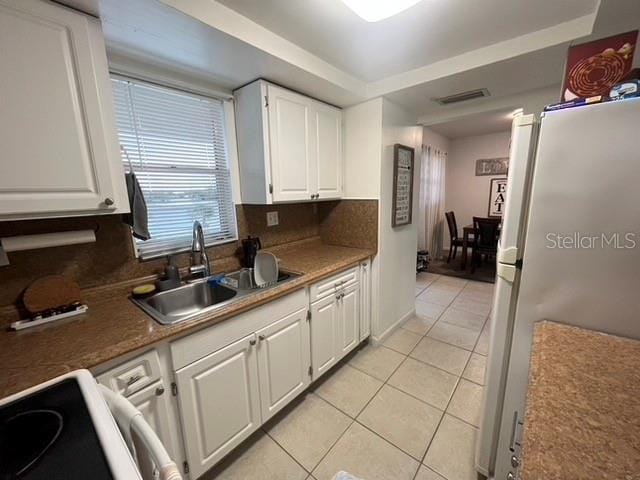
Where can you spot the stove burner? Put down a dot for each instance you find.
(25, 438)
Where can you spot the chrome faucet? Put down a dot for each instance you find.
(199, 258)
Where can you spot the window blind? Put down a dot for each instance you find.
(175, 143)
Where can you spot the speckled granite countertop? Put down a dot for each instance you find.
(583, 406)
(114, 326)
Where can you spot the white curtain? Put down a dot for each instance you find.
(432, 183)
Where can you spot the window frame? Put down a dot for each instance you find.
(228, 127)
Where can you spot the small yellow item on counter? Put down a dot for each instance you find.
(142, 290)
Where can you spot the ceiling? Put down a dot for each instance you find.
(321, 48)
(429, 31)
(478, 124)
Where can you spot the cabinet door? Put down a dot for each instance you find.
(219, 403)
(324, 330)
(283, 361)
(153, 403)
(292, 145)
(365, 300)
(328, 150)
(57, 125)
(348, 320)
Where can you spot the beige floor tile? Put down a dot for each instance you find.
(462, 318)
(426, 278)
(428, 310)
(484, 287)
(476, 296)
(452, 450)
(366, 455)
(455, 335)
(348, 389)
(467, 402)
(482, 347)
(427, 474)
(378, 361)
(308, 430)
(402, 341)
(259, 459)
(475, 369)
(425, 382)
(442, 355)
(456, 282)
(402, 420)
(438, 296)
(419, 325)
(466, 304)
(419, 290)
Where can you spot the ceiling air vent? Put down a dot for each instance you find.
(463, 97)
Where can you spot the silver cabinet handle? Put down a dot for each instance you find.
(261, 337)
(133, 380)
(108, 201)
(252, 341)
(159, 391)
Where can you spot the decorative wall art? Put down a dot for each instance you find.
(492, 166)
(402, 185)
(497, 197)
(594, 67)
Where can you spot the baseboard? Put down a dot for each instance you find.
(378, 339)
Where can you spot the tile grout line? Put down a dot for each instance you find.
(354, 419)
(453, 391)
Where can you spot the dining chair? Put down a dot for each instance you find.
(485, 233)
(454, 240)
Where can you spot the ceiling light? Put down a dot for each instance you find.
(376, 10)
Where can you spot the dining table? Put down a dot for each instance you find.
(467, 236)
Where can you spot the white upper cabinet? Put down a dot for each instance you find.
(291, 136)
(60, 153)
(289, 146)
(328, 123)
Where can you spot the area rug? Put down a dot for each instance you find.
(484, 273)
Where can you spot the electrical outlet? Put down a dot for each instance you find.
(272, 219)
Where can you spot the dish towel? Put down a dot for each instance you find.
(137, 219)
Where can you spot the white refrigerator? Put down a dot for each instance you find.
(569, 252)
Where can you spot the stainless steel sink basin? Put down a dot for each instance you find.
(192, 299)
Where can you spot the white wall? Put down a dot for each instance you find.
(397, 247)
(440, 142)
(362, 125)
(466, 194)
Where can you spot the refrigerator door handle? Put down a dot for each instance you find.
(507, 272)
(508, 255)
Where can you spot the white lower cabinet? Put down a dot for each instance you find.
(140, 380)
(154, 403)
(336, 318)
(219, 403)
(283, 361)
(324, 334)
(365, 299)
(349, 320)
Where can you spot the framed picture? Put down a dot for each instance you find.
(497, 197)
(402, 185)
(594, 67)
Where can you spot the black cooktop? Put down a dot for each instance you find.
(49, 435)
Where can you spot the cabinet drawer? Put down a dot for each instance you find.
(331, 285)
(133, 375)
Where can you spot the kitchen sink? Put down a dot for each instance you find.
(192, 299)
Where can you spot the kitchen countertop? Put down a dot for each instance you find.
(583, 406)
(114, 326)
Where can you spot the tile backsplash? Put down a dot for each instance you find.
(111, 259)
